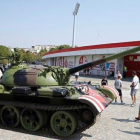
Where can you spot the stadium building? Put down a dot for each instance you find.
(80, 55)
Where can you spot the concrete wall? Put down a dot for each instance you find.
(102, 69)
(119, 65)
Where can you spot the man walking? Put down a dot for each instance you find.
(134, 88)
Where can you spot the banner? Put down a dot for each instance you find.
(69, 62)
(59, 61)
(80, 60)
(109, 66)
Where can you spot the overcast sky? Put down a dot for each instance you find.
(24, 23)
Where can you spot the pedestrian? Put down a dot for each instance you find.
(138, 118)
(76, 76)
(87, 71)
(111, 73)
(118, 86)
(134, 88)
(118, 74)
(124, 71)
(84, 71)
(104, 81)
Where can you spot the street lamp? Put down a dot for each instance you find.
(74, 13)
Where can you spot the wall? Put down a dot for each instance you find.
(119, 65)
(83, 59)
(132, 62)
(73, 61)
(50, 62)
(69, 62)
(103, 69)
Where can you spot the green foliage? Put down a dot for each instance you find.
(61, 47)
(29, 57)
(23, 54)
(4, 52)
(53, 49)
(40, 54)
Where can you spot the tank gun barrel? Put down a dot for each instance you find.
(104, 60)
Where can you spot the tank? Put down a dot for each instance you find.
(37, 97)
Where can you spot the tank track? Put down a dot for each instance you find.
(42, 107)
(51, 108)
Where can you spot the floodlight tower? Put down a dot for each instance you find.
(74, 13)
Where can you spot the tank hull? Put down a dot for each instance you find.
(83, 106)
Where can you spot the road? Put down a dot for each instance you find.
(116, 121)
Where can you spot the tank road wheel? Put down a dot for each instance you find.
(10, 116)
(31, 119)
(63, 123)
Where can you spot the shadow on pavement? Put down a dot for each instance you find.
(43, 133)
(86, 135)
(122, 104)
(123, 120)
(79, 136)
(129, 132)
(20, 129)
(137, 127)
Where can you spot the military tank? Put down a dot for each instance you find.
(41, 97)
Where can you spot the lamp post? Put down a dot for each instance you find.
(74, 13)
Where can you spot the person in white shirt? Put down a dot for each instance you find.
(134, 88)
(76, 76)
(118, 74)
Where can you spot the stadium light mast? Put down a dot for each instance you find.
(74, 13)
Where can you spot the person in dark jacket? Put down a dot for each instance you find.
(104, 81)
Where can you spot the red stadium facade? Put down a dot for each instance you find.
(80, 55)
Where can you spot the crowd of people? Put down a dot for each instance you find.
(118, 85)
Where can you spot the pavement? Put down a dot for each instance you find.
(115, 123)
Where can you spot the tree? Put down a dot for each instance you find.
(40, 54)
(29, 57)
(61, 47)
(23, 54)
(4, 52)
(53, 49)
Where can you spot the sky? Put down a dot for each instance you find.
(24, 23)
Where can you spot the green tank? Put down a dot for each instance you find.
(39, 97)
